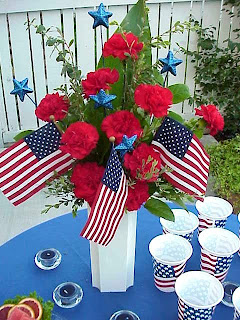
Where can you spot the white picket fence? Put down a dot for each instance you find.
(22, 53)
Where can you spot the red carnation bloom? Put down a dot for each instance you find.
(212, 116)
(154, 99)
(86, 178)
(119, 123)
(52, 104)
(144, 163)
(79, 139)
(98, 80)
(120, 44)
(137, 195)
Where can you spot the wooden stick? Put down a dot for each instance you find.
(52, 118)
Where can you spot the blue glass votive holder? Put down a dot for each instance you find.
(124, 315)
(229, 288)
(48, 259)
(67, 295)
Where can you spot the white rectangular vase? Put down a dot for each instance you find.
(113, 266)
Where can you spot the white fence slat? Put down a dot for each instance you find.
(20, 53)
(54, 78)
(224, 28)
(165, 16)
(211, 14)
(3, 115)
(7, 75)
(98, 40)
(38, 60)
(154, 24)
(119, 12)
(85, 40)
(235, 25)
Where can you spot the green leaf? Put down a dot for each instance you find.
(22, 135)
(180, 92)
(181, 203)
(159, 208)
(40, 29)
(175, 116)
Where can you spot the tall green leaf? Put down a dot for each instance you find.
(159, 208)
(180, 92)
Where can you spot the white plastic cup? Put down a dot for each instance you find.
(236, 303)
(217, 249)
(169, 254)
(213, 212)
(198, 294)
(184, 225)
(239, 233)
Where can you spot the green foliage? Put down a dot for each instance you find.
(22, 135)
(159, 208)
(47, 306)
(225, 167)
(180, 92)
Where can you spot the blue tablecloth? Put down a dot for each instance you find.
(19, 274)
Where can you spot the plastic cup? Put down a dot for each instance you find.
(184, 225)
(236, 303)
(239, 232)
(213, 212)
(169, 254)
(217, 249)
(198, 294)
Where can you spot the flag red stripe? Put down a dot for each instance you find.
(9, 149)
(12, 158)
(178, 185)
(197, 142)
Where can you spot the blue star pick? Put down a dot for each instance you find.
(170, 63)
(126, 144)
(100, 17)
(21, 88)
(103, 100)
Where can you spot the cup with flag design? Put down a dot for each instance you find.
(217, 249)
(236, 303)
(213, 212)
(169, 255)
(198, 295)
(184, 224)
(239, 232)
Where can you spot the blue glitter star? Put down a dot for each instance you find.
(103, 100)
(100, 16)
(170, 63)
(21, 88)
(126, 144)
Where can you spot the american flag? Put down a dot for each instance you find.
(165, 276)
(183, 153)
(205, 223)
(185, 312)
(30, 162)
(109, 204)
(217, 266)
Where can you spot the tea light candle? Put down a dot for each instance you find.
(229, 288)
(124, 315)
(48, 257)
(67, 294)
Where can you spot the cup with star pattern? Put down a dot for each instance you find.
(198, 295)
(218, 247)
(213, 212)
(169, 255)
(184, 224)
(239, 232)
(236, 303)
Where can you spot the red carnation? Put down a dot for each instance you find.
(86, 178)
(98, 80)
(119, 123)
(137, 195)
(212, 116)
(52, 104)
(144, 163)
(119, 44)
(79, 139)
(154, 99)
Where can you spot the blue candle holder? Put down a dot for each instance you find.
(48, 259)
(67, 295)
(124, 315)
(229, 288)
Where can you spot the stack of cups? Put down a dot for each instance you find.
(184, 225)
(169, 254)
(198, 294)
(213, 212)
(236, 303)
(217, 249)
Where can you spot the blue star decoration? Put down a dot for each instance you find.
(170, 63)
(21, 88)
(103, 100)
(100, 16)
(126, 145)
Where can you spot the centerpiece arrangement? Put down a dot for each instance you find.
(113, 141)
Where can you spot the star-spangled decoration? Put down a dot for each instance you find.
(103, 100)
(100, 16)
(170, 63)
(126, 145)
(21, 88)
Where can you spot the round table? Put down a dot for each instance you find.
(20, 275)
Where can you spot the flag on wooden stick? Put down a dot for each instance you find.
(109, 204)
(183, 153)
(30, 162)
